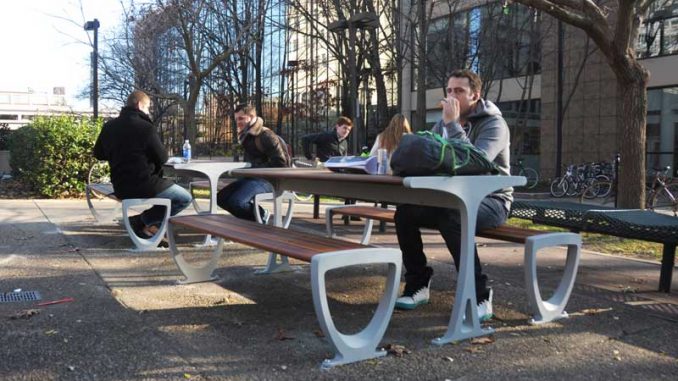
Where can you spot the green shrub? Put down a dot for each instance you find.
(53, 154)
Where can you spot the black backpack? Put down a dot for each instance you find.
(286, 147)
(426, 154)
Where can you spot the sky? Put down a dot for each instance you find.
(44, 44)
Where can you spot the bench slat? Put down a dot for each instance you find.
(504, 232)
(375, 213)
(509, 233)
(287, 242)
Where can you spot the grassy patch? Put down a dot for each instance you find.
(603, 243)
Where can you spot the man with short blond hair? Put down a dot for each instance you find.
(136, 156)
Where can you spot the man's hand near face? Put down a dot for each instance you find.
(450, 109)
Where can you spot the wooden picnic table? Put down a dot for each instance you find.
(464, 193)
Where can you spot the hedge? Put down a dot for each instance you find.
(53, 154)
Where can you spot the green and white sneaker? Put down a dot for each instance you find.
(485, 309)
(412, 298)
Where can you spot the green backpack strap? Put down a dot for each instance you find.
(444, 148)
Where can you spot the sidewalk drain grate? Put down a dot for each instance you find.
(22, 296)
(632, 300)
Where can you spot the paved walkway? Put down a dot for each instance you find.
(129, 319)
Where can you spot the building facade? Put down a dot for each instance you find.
(516, 50)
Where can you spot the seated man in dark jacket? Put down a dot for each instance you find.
(136, 155)
(329, 143)
(262, 149)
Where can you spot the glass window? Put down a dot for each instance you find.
(488, 40)
(523, 119)
(662, 128)
(658, 35)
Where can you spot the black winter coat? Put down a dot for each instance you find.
(327, 145)
(133, 149)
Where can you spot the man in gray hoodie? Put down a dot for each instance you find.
(468, 117)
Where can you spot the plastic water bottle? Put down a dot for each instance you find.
(186, 150)
(382, 161)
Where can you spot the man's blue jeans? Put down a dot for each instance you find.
(409, 219)
(238, 197)
(180, 200)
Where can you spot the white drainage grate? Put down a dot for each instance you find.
(21, 296)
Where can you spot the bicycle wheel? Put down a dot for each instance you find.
(605, 186)
(574, 188)
(532, 177)
(665, 196)
(559, 187)
(591, 189)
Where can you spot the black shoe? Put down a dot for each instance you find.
(138, 227)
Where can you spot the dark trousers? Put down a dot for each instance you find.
(180, 199)
(409, 219)
(238, 197)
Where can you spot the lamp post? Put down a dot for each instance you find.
(362, 21)
(293, 65)
(94, 26)
(365, 77)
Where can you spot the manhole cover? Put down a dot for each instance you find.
(22, 296)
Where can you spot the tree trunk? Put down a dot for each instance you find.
(632, 111)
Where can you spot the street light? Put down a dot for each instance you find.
(94, 26)
(362, 21)
(294, 66)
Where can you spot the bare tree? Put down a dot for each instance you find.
(615, 32)
(169, 49)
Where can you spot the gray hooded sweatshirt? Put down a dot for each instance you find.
(487, 130)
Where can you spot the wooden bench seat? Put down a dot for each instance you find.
(324, 254)
(370, 213)
(534, 240)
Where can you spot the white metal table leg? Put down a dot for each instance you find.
(362, 345)
(192, 273)
(554, 308)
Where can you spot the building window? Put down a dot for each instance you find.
(662, 128)
(494, 43)
(658, 35)
(523, 119)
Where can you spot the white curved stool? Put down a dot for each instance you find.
(553, 309)
(143, 244)
(105, 190)
(362, 345)
(273, 265)
(286, 197)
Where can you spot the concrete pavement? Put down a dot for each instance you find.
(129, 319)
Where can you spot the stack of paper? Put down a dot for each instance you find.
(352, 164)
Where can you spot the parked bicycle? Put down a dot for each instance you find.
(586, 180)
(663, 192)
(532, 176)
